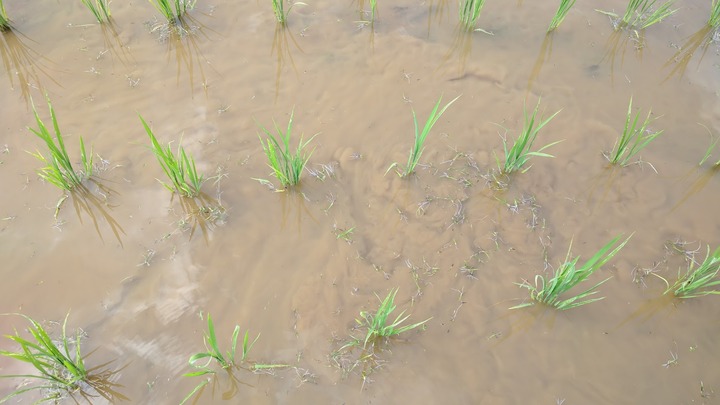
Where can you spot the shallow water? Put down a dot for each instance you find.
(137, 268)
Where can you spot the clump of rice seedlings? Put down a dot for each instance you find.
(378, 326)
(698, 281)
(286, 165)
(560, 14)
(640, 14)
(714, 20)
(279, 9)
(4, 20)
(634, 138)
(99, 8)
(180, 169)
(172, 10)
(470, 12)
(225, 360)
(59, 170)
(420, 137)
(567, 276)
(60, 369)
(520, 152)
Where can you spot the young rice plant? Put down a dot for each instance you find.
(378, 325)
(4, 20)
(560, 14)
(641, 14)
(470, 12)
(634, 138)
(60, 369)
(279, 9)
(286, 165)
(180, 169)
(165, 7)
(520, 152)
(99, 8)
(226, 361)
(59, 170)
(567, 276)
(714, 20)
(420, 137)
(698, 281)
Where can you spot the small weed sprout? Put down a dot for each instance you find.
(567, 276)
(634, 138)
(698, 281)
(286, 165)
(59, 170)
(563, 8)
(99, 8)
(179, 169)
(520, 152)
(420, 136)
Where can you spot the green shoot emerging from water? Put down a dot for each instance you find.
(286, 165)
(165, 7)
(378, 325)
(640, 14)
(560, 14)
(59, 170)
(418, 147)
(714, 20)
(179, 169)
(279, 9)
(4, 20)
(225, 361)
(634, 138)
(470, 12)
(710, 149)
(567, 276)
(520, 152)
(60, 369)
(99, 8)
(698, 281)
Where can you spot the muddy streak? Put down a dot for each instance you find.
(273, 262)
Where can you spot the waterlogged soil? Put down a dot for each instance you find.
(139, 270)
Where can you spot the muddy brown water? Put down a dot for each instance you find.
(136, 269)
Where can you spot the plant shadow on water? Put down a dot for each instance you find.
(700, 40)
(298, 207)
(543, 56)
(701, 179)
(617, 45)
(181, 38)
(92, 197)
(437, 10)
(461, 46)
(113, 43)
(281, 48)
(201, 211)
(22, 63)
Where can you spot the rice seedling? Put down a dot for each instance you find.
(710, 149)
(60, 369)
(420, 137)
(470, 12)
(520, 152)
(560, 14)
(226, 361)
(99, 8)
(714, 20)
(279, 9)
(378, 326)
(165, 7)
(634, 138)
(4, 20)
(567, 276)
(698, 281)
(286, 165)
(59, 170)
(180, 169)
(640, 14)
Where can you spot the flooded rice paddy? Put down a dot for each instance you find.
(139, 269)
